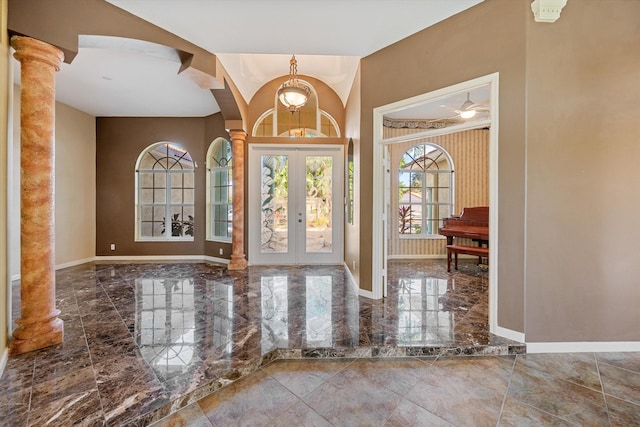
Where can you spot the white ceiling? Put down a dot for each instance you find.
(254, 40)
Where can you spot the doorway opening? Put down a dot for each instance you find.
(422, 107)
(296, 204)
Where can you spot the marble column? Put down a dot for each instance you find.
(238, 259)
(39, 325)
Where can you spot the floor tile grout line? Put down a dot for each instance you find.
(604, 394)
(558, 416)
(506, 391)
(95, 376)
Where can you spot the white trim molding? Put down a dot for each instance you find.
(138, 258)
(74, 263)
(510, 334)
(547, 10)
(582, 347)
(3, 360)
(379, 224)
(162, 258)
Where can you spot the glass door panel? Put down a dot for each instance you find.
(274, 204)
(319, 186)
(292, 191)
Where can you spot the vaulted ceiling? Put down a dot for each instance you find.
(254, 40)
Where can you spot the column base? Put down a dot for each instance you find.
(36, 336)
(237, 263)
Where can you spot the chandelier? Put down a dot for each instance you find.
(293, 94)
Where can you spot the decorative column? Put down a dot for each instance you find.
(39, 325)
(238, 260)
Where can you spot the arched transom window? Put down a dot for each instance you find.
(307, 122)
(165, 193)
(425, 190)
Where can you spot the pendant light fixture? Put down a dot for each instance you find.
(293, 94)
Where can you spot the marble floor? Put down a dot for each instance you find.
(579, 389)
(145, 340)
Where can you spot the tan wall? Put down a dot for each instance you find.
(119, 142)
(75, 189)
(75, 197)
(5, 88)
(583, 135)
(469, 151)
(264, 99)
(484, 39)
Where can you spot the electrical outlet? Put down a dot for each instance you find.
(221, 251)
(113, 246)
(353, 263)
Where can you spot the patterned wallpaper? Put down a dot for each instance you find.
(469, 151)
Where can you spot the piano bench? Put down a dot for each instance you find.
(463, 249)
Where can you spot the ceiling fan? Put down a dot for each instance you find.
(468, 109)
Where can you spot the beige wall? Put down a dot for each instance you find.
(484, 39)
(583, 148)
(469, 151)
(5, 89)
(75, 196)
(75, 186)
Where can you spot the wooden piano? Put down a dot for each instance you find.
(473, 223)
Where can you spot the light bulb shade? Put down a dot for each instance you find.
(467, 114)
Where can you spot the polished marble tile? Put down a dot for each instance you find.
(191, 416)
(370, 405)
(303, 376)
(555, 393)
(458, 396)
(160, 336)
(409, 414)
(254, 400)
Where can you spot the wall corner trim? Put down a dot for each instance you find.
(509, 334)
(582, 347)
(547, 10)
(3, 360)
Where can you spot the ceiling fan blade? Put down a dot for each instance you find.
(451, 108)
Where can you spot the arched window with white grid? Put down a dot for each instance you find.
(165, 193)
(220, 194)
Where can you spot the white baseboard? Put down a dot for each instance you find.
(419, 256)
(3, 360)
(509, 334)
(365, 293)
(74, 263)
(138, 258)
(352, 280)
(216, 260)
(582, 347)
(61, 266)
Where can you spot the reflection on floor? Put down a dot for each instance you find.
(144, 340)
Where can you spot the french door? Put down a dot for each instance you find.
(295, 204)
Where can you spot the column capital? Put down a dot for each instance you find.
(547, 10)
(237, 134)
(28, 48)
